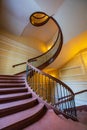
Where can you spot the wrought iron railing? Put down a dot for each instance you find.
(52, 90)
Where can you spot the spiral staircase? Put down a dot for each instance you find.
(36, 100)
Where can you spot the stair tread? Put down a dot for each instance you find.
(9, 89)
(82, 116)
(51, 121)
(13, 95)
(11, 77)
(20, 116)
(15, 103)
(8, 82)
(11, 84)
(13, 90)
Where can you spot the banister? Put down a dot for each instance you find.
(63, 101)
(19, 64)
(51, 77)
(30, 60)
(56, 46)
(47, 86)
(52, 90)
(79, 92)
(50, 60)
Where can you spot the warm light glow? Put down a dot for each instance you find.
(84, 57)
(53, 72)
(49, 47)
(74, 46)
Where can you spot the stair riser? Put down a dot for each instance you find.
(12, 99)
(12, 78)
(11, 85)
(12, 81)
(18, 108)
(12, 91)
(24, 123)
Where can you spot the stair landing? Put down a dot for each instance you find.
(51, 121)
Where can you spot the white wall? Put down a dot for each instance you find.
(72, 18)
(74, 74)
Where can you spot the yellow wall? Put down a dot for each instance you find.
(72, 62)
(70, 49)
(29, 41)
(14, 50)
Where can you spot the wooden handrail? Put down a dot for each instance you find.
(63, 101)
(37, 78)
(83, 91)
(79, 92)
(54, 56)
(19, 64)
(30, 60)
(51, 77)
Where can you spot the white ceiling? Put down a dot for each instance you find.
(70, 14)
(15, 19)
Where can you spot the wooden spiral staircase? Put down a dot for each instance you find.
(36, 100)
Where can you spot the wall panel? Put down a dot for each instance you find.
(13, 52)
(74, 74)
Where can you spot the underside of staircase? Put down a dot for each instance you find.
(22, 109)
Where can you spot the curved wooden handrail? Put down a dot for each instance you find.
(62, 90)
(79, 92)
(55, 41)
(40, 81)
(51, 77)
(63, 101)
(19, 64)
(32, 60)
(51, 59)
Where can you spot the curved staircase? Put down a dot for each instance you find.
(22, 109)
(18, 106)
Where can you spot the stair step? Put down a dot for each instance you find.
(13, 107)
(82, 116)
(8, 85)
(14, 97)
(12, 81)
(12, 77)
(12, 90)
(51, 121)
(22, 119)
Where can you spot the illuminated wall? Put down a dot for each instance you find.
(14, 50)
(74, 74)
(70, 49)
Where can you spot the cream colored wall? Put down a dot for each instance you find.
(70, 49)
(29, 41)
(74, 74)
(14, 50)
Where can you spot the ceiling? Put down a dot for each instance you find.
(70, 14)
